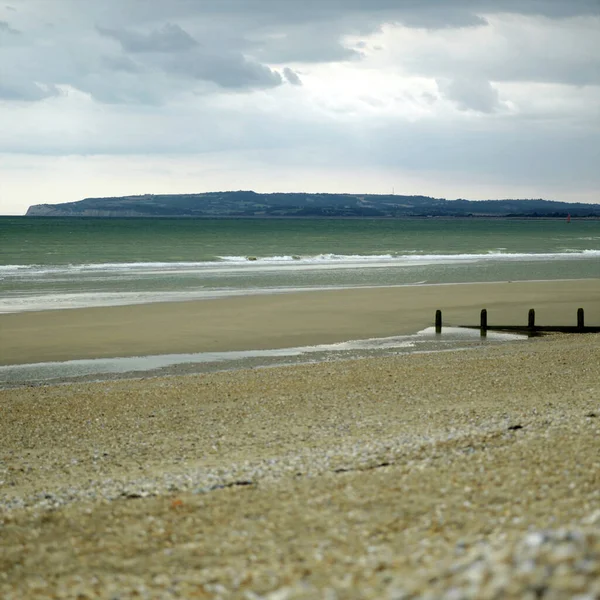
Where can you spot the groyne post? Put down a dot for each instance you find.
(531, 329)
(438, 321)
(483, 323)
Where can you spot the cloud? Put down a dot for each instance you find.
(471, 94)
(227, 70)
(121, 63)
(510, 48)
(26, 91)
(553, 9)
(173, 48)
(430, 14)
(6, 28)
(305, 44)
(291, 76)
(184, 56)
(467, 90)
(169, 38)
(441, 18)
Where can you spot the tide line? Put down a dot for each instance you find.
(106, 368)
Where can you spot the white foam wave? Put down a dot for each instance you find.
(410, 257)
(59, 301)
(318, 258)
(329, 260)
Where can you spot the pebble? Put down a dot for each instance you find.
(321, 433)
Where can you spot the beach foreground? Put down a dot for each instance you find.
(474, 474)
(284, 320)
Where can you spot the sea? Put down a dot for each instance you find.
(67, 263)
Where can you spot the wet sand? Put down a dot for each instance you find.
(474, 474)
(284, 320)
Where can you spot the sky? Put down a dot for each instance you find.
(449, 98)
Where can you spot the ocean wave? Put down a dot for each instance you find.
(329, 257)
(19, 302)
(288, 261)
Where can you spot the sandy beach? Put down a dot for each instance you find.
(284, 320)
(467, 474)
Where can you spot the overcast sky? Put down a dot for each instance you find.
(450, 98)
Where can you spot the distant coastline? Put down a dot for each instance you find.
(251, 205)
(524, 217)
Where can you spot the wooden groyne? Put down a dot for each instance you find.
(530, 329)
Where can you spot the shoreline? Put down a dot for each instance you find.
(217, 294)
(275, 321)
(174, 365)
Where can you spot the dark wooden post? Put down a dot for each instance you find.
(438, 321)
(531, 319)
(483, 323)
(580, 319)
